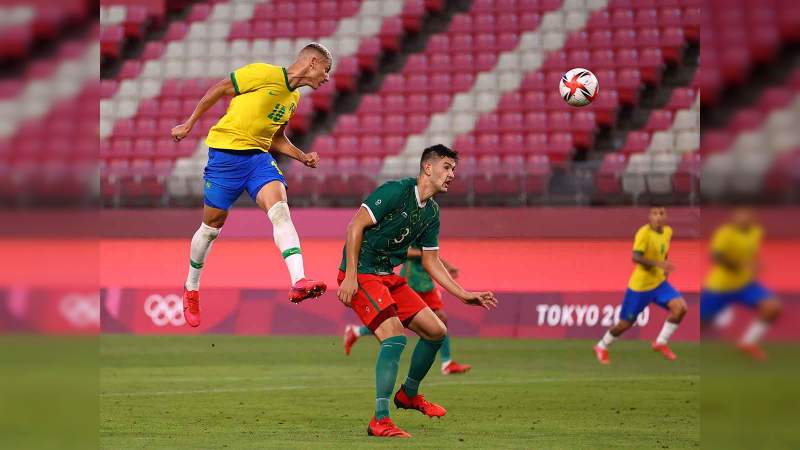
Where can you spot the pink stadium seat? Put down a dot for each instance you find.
(153, 50)
(488, 122)
(629, 83)
(465, 143)
(687, 176)
(200, 11)
(669, 17)
(135, 21)
(511, 122)
(463, 81)
(324, 145)
(372, 124)
(108, 88)
(536, 121)
(508, 22)
(348, 124)
(15, 41)
(347, 145)
(483, 23)
(345, 74)
(599, 20)
(416, 63)
(417, 104)
(390, 33)
(393, 144)
(322, 98)
(176, 31)
(394, 102)
(485, 61)
(622, 18)
(635, 142)
(412, 14)
(605, 107)
(441, 82)
(536, 143)
(607, 179)
(682, 98)
(560, 147)
(394, 84)
(463, 62)
(416, 123)
(659, 120)
(439, 63)
(646, 18)
(394, 124)
(512, 143)
(603, 59)
(511, 102)
(651, 64)
(440, 103)
(130, 69)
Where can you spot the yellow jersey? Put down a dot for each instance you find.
(654, 246)
(739, 246)
(263, 102)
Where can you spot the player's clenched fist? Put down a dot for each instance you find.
(311, 159)
(347, 290)
(485, 300)
(180, 131)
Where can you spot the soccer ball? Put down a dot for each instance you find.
(578, 87)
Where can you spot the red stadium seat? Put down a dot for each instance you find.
(560, 147)
(536, 121)
(659, 120)
(412, 14)
(390, 34)
(607, 179)
(635, 142)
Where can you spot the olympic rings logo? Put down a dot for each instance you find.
(80, 310)
(165, 310)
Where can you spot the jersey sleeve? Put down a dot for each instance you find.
(429, 240)
(250, 78)
(640, 241)
(382, 200)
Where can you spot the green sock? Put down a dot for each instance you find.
(421, 361)
(364, 331)
(444, 352)
(386, 373)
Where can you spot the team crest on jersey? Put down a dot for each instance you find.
(378, 202)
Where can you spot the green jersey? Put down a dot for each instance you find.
(400, 219)
(418, 278)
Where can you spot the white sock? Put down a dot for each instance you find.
(445, 363)
(666, 332)
(286, 239)
(607, 340)
(201, 245)
(755, 332)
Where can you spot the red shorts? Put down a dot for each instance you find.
(432, 298)
(382, 296)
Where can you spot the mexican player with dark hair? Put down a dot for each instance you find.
(395, 215)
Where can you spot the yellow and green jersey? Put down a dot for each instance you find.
(654, 246)
(739, 246)
(263, 102)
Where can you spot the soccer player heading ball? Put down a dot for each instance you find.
(648, 284)
(397, 214)
(264, 99)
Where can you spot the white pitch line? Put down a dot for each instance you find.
(434, 383)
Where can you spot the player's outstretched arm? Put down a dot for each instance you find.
(355, 234)
(212, 96)
(433, 265)
(281, 144)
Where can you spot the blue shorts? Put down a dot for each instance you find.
(636, 301)
(228, 174)
(712, 303)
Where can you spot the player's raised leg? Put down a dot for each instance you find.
(272, 199)
(431, 333)
(677, 310)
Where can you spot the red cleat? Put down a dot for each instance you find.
(385, 428)
(305, 288)
(454, 367)
(602, 355)
(753, 351)
(191, 307)
(350, 338)
(418, 402)
(664, 350)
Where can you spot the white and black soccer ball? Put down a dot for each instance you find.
(578, 87)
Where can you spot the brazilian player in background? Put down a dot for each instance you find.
(733, 279)
(265, 97)
(648, 284)
(392, 218)
(421, 282)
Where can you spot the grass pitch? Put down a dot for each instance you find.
(303, 392)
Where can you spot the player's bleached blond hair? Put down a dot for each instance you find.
(316, 46)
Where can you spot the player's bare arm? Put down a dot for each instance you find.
(415, 253)
(638, 258)
(213, 94)
(281, 144)
(433, 265)
(355, 234)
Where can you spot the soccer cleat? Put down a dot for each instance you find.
(305, 288)
(418, 402)
(191, 307)
(664, 350)
(385, 428)
(753, 351)
(350, 338)
(602, 355)
(454, 367)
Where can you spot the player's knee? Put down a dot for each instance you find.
(771, 309)
(437, 332)
(679, 309)
(210, 232)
